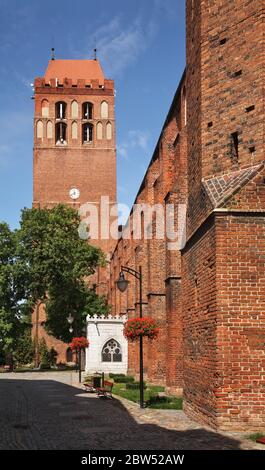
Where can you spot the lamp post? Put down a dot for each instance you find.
(70, 320)
(122, 285)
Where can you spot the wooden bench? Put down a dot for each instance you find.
(106, 390)
(89, 387)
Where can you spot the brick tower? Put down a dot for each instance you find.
(74, 146)
(223, 260)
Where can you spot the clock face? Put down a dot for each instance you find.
(74, 193)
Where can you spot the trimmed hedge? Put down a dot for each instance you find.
(134, 386)
(121, 378)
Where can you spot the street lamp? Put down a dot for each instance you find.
(122, 285)
(70, 320)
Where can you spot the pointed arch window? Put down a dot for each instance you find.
(74, 130)
(74, 110)
(87, 133)
(111, 351)
(87, 112)
(60, 133)
(39, 130)
(109, 131)
(104, 109)
(99, 131)
(60, 110)
(49, 130)
(45, 108)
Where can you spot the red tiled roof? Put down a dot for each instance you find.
(74, 69)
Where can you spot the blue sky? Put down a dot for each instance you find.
(141, 45)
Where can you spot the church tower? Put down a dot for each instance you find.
(74, 149)
(74, 136)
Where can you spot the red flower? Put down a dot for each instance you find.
(136, 327)
(79, 343)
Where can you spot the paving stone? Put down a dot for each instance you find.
(32, 419)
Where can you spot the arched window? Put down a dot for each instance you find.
(74, 130)
(69, 355)
(39, 130)
(99, 131)
(45, 108)
(60, 133)
(109, 131)
(74, 109)
(49, 130)
(87, 133)
(104, 110)
(111, 351)
(87, 112)
(60, 110)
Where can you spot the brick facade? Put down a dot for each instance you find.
(208, 295)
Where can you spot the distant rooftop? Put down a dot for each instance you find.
(74, 69)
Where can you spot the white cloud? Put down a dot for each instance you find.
(136, 139)
(120, 45)
(139, 139)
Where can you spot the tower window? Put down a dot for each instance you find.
(39, 130)
(87, 111)
(60, 132)
(60, 110)
(45, 108)
(109, 131)
(74, 109)
(99, 131)
(104, 110)
(87, 133)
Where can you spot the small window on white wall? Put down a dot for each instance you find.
(104, 110)
(111, 352)
(109, 131)
(74, 109)
(39, 130)
(99, 131)
(45, 108)
(49, 130)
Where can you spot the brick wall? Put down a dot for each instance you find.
(165, 182)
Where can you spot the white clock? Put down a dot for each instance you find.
(74, 193)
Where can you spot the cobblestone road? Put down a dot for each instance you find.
(50, 411)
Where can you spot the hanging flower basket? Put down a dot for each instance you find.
(136, 327)
(79, 343)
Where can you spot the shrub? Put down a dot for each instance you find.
(134, 386)
(24, 352)
(123, 380)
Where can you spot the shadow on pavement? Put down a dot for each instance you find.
(47, 414)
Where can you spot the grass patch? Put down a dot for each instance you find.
(134, 395)
(254, 437)
(166, 403)
(150, 396)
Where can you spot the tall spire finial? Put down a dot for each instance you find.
(95, 54)
(53, 54)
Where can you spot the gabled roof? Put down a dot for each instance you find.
(221, 188)
(74, 69)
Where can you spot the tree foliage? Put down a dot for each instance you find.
(45, 260)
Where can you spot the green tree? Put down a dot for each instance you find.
(13, 319)
(24, 349)
(56, 264)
